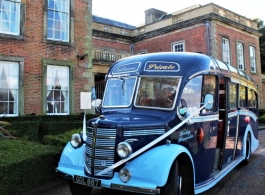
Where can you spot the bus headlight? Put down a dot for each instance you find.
(124, 150)
(124, 175)
(76, 140)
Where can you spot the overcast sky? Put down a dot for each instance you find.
(133, 11)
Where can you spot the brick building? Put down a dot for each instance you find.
(208, 29)
(52, 50)
(45, 56)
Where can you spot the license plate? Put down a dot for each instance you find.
(87, 181)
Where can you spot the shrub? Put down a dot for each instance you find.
(261, 112)
(61, 139)
(33, 128)
(25, 165)
(262, 119)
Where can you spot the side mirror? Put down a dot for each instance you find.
(183, 108)
(208, 99)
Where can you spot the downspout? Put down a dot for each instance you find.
(207, 24)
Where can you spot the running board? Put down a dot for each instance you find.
(217, 176)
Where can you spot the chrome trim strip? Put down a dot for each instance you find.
(243, 112)
(249, 113)
(144, 132)
(205, 118)
(135, 189)
(232, 114)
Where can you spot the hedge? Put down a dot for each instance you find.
(61, 139)
(25, 165)
(33, 128)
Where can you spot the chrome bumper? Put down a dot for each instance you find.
(116, 186)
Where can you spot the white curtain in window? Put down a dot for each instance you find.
(58, 75)
(9, 72)
(240, 59)
(252, 59)
(226, 51)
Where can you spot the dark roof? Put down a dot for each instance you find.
(112, 22)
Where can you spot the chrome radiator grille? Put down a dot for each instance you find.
(100, 150)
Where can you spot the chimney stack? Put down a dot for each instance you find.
(153, 15)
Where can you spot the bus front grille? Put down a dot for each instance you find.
(100, 150)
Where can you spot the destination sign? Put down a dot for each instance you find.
(162, 66)
(133, 67)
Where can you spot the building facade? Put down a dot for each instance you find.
(45, 56)
(208, 29)
(52, 50)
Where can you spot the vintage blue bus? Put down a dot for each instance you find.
(169, 123)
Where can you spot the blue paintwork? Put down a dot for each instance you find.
(73, 157)
(155, 164)
(151, 168)
(142, 168)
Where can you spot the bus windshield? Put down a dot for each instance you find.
(157, 92)
(119, 91)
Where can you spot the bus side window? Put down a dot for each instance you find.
(242, 96)
(255, 101)
(209, 87)
(191, 94)
(232, 97)
(252, 99)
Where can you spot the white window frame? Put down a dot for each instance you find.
(252, 58)
(226, 51)
(58, 75)
(10, 17)
(240, 56)
(58, 17)
(178, 46)
(9, 81)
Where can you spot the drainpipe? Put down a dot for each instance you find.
(132, 48)
(207, 24)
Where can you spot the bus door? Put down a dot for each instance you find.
(227, 125)
(232, 124)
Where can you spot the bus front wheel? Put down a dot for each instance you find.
(174, 182)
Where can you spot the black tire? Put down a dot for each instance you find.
(77, 189)
(174, 182)
(248, 150)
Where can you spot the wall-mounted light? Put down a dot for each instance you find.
(81, 57)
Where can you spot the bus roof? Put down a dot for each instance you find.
(184, 64)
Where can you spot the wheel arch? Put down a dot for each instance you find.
(156, 163)
(186, 170)
(253, 141)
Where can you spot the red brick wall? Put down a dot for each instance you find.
(195, 41)
(247, 40)
(234, 36)
(33, 49)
